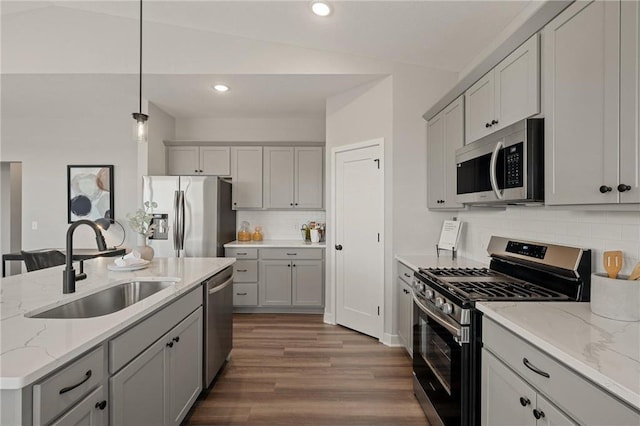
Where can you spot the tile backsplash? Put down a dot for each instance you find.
(598, 231)
(279, 224)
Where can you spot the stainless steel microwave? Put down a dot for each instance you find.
(506, 167)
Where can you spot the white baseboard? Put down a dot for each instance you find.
(329, 319)
(391, 340)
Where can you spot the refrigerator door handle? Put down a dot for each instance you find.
(182, 221)
(176, 221)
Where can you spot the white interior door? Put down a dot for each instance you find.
(359, 253)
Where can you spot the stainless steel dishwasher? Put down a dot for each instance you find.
(218, 324)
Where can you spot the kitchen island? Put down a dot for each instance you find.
(33, 348)
(571, 344)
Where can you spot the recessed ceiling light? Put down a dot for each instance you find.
(221, 88)
(321, 8)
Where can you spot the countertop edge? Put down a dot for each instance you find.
(275, 244)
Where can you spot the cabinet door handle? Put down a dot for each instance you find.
(487, 125)
(492, 123)
(176, 339)
(70, 388)
(538, 414)
(534, 368)
(524, 401)
(170, 344)
(101, 405)
(622, 187)
(292, 254)
(241, 294)
(338, 246)
(604, 189)
(294, 265)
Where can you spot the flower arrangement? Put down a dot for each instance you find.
(140, 221)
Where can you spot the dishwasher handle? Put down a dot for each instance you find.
(221, 286)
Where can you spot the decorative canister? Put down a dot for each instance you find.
(617, 299)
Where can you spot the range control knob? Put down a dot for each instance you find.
(418, 286)
(439, 302)
(447, 308)
(429, 294)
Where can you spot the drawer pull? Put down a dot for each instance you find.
(538, 414)
(70, 388)
(407, 275)
(292, 254)
(101, 405)
(534, 368)
(241, 294)
(241, 270)
(241, 254)
(524, 401)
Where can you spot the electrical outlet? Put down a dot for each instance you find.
(34, 225)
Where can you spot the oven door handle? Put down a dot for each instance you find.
(455, 331)
(492, 170)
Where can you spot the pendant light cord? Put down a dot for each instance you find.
(140, 74)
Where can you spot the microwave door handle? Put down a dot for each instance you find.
(492, 171)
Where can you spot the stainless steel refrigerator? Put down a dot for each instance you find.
(193, 217)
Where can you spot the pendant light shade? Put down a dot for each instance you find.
(140, 132)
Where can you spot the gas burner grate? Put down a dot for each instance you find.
(460, 272)
(496, 290)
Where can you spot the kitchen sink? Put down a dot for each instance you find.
(107, 301)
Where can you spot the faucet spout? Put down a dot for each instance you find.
(69, 274)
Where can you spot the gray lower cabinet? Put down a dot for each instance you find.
(159, 386)
(522, 385)
(275, 282)
(91, 411)
(405, 307)
(508, 400)
(284, 278)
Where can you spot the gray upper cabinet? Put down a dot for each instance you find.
(630, 101)
(309, 177)
(293, 177)
(591, 105)
(508, 93)
(198, 160)
(445, 134)
(246, 175)
(278, 177)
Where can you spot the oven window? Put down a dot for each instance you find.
(436, 354)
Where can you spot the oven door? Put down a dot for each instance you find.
(442, 366)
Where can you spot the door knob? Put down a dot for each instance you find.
(338, 246)
(604, 189)
(622, 187)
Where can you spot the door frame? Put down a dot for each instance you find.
(331, 316)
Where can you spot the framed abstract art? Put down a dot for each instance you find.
(89, 192)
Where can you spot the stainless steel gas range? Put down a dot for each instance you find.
(448, 329)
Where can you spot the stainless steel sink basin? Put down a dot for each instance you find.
(107, 301)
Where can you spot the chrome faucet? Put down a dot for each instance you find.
(69, 277)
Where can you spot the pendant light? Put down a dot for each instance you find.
(141, 119)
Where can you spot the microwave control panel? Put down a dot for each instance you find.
(514, 161)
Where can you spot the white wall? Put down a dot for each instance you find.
(359, 115)
(46, 147)
(598, 231)
(162, 127)
(239, 129)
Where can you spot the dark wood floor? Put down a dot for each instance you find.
(296, 370)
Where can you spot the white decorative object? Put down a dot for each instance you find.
(617, 299)
(315, 236)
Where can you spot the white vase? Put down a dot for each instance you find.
(146, 251)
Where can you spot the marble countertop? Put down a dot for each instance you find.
(275, 244)
(605, 351)
(415, 261)
(32, 347)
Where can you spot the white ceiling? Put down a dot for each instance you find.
(446, 35)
